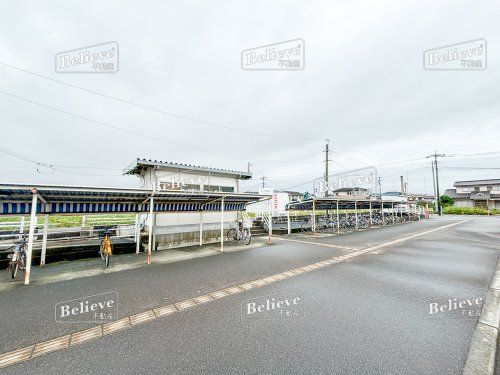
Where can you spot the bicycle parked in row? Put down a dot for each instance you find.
(328, 223)
(18, 258)
(239, 233)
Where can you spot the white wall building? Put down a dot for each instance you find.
(182, 228)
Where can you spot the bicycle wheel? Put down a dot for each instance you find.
(101, 252)
(13, 270)
(231, 234)
(247, 237)
(305, 227)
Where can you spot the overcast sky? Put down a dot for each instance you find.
(363, 87)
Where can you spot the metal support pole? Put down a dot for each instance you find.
(150, 229)
(289, 226)
(382, 210)
(371, 221)
(356, 213)
(154, 231)
(222, 226)
(137, 233)
(44, 240)
(270, 231)
(338, 218)
(31, 236)
(393, 218)
(314, 218)
(201, 227)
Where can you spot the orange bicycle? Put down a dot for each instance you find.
(106, 248)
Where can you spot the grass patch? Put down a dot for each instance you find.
(450, 210)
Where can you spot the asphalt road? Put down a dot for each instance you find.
(366, 315)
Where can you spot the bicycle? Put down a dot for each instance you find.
(18, 258)
(239, 233)
(106, 248)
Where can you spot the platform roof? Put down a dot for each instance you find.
(56, 199)
(138, 165)
(328, 203)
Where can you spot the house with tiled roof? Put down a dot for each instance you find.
(476, 193)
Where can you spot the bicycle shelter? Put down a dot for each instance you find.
(314, 204)
(24, 199)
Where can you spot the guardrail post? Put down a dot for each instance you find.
(31, 235)
(44, 240)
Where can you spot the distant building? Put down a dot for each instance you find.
(476, 193)
(351, 192)
(428, 198)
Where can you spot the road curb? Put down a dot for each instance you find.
(484, 343)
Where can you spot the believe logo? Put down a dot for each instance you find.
(91, 309)
(282, 305)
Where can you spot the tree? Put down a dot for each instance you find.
(446, 200)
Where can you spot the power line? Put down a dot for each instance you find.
(101, 123)
(53, 167)
(164, 112)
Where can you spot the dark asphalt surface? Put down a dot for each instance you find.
(364, 316)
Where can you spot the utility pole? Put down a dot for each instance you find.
(433, 181)
(248, 167)
(402, 185)
(326, 166)
(263, 181)
(435, 156)
(380, 187)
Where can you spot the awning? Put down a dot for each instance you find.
(329, 203)
(16, 199)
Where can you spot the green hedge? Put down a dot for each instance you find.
(468, 211)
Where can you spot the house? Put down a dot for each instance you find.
(351, 192)
(174, 229)
(476, 193)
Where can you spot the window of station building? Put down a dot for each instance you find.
(225, 189)
(191, 187)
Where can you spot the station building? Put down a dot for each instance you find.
(181, 228)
